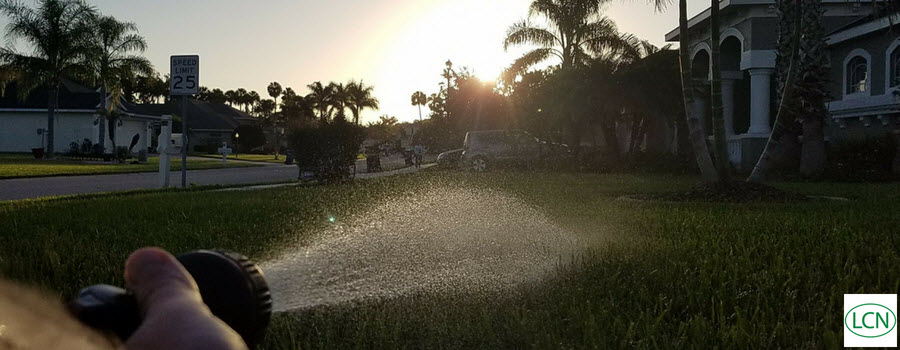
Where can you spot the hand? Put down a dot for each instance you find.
(173, 313)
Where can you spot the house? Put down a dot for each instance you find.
(210, 124)
(864, 71)
(23, 122)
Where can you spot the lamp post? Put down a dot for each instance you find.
(237, 138)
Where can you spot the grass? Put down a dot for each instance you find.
(21, 166)
(688, 275)
(263, 158)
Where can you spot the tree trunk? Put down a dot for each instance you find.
(812, 88)
(102, 120)
(51, 117)
(812, 156)
(718, 120)
(694, 124)
(767, 160)
(112, 138)
(637, 133)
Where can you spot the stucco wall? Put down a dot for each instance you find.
(127, 131)
(18, 130)
(876, 45)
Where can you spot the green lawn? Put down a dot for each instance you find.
(22, 165)
(666, 275)
(264, 158)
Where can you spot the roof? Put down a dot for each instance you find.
(726, 4)
(72, 96)
(201, 115)
(76, 97)
(865, 25)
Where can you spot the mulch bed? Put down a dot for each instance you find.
(732, 192)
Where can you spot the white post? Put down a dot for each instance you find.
(165, 141)
(224, 151)
(760, 100)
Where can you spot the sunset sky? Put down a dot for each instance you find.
(399, 46)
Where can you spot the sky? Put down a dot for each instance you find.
(397, 46)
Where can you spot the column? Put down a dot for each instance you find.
(760, 100)
(728, 104)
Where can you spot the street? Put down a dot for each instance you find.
(14, 189)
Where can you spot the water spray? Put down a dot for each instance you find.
(232, 286)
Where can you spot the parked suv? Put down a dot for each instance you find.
(486, 149)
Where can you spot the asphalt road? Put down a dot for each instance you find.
(14, 189)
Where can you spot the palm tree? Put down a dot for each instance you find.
(338, 100)
(359, 98)
(231, 97)
(59, 33)
(419, 99)
(767, 160)
(241, 95)
(265, 109)
(275, 90)
(252, 100)
(216, 96)
(695, 126)
(111, 56)
(576, 31)
(295, 108)
(718, 119)
(319, 98)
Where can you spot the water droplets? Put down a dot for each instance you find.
(440, 239)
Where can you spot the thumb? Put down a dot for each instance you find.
(156, 278)
(174, 315)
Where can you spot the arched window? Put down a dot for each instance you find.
(894, 66)
(857, 75)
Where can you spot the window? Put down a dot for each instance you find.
(857, 75)
(894, 62)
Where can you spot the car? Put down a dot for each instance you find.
(485, 149)
(449, 159)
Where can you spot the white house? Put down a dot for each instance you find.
(23, 122)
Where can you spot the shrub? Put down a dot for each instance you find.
(87, 146)
(328, 149)
(867, 159)
(121, 153)
(97, 150)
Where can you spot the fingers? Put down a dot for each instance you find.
(174, 316)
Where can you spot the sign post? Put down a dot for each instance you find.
(184, 81)
(165, 150)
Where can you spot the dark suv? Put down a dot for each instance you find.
(486, 149)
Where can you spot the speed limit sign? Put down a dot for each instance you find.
(185, 77)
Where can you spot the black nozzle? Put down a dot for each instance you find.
(232, 286)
